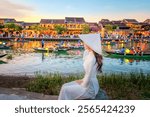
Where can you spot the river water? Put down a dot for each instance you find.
(27, 62)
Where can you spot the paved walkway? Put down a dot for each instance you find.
(21, 94)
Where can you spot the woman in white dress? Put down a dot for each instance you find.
(88, 87)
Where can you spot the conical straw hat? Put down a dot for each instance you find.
(93, 41)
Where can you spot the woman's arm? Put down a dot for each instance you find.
(88, 71)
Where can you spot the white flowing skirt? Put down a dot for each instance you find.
(73, 90)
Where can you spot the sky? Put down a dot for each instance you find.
(91, 10)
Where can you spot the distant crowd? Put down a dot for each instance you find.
(128, 36)
(107, 36)
(26, 35)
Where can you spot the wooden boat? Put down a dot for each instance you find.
(2, 62)
(2, 55)
(76, 47)
(62, 49)
(61, 52)
(4, 46)
(144, 56)
(43, 49)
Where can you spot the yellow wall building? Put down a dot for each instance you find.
(74, 25)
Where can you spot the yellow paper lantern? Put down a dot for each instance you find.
(127, 51)
(126, 60)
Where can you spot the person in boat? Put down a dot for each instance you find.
(42, 42)
(132, 51)
(64, 44)
(139, 51)
(22, 36)
(122, 51)
(60, 44)
(78, 44)
(88, 87)
(68, 44)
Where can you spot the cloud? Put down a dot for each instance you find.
(10, 9)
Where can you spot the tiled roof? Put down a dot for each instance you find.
(94, 29)
(116, 22)
(105, 20)
(147, 21)
(19, 22)
(106, 23)
(92, 23)
(30, 24)
(131, 20)
(7, 20)
(52, 21)
(74, 20)
(119, 23)
(93, 26)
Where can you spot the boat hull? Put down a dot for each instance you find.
(43, 50)
(2, 55)
(128, 56)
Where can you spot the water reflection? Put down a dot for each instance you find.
(2, 62)
(47, 62)
(49, 44)
(128, 61)
(143, 46)
(43, 57)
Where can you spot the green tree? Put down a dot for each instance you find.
(115, 27)
(1, 26)
(60, 29)
(37, 28)
(109, 27)
(86, 29)
(147, 28)
(12, 27)
(18, 28)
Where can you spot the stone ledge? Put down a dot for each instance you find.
(101, 95)
(21, 94)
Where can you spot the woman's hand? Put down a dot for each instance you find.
(79, 81)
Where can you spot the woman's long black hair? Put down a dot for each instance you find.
(99, 61)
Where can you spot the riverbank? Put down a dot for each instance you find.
(69, 39)
(130, 86)
(22, 94)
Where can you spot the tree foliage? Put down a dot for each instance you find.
(147, 28)
(18, 28)
(13, 27)
(1, 26)
(109, 27)
(115, 27)
(60, 29)
(37, 28)
(86, 29)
